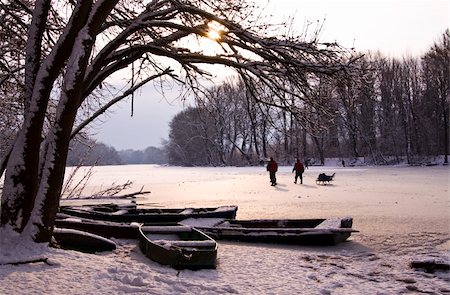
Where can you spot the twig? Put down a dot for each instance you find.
(112, 191)
(132, 195)
(45, 260)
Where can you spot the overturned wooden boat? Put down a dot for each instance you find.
(107, 229)
(143, 215)
(180, 246)
(290, 231)
(82, 241)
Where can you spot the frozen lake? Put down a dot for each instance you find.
(402, 213)
(382, 200)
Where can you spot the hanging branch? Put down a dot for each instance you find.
(105, 107)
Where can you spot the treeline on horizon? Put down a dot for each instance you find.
(90, 152)
(387, 110)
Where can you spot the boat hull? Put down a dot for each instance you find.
(150, 215)
(105, 229)
(191, 250)
(298, 231)
(82, 241)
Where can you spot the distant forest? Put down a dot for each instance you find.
(90, 152)
(384, 111)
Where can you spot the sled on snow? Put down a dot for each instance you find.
(324, 179)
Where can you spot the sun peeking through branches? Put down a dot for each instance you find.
(215, 31)
(210, 43)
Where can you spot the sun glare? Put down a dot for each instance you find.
(215, 30)
(213, 35)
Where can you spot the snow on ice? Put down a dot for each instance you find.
(402, 214)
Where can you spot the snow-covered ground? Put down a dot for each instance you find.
(402, 213)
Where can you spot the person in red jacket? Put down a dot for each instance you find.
(272, 167)
(299, 169)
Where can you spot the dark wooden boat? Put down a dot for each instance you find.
(179, 246)
(290, 231)
(82, 241)
(98, 202)
(107, 229)
(130, 214)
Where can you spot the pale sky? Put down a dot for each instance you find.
(394, 27)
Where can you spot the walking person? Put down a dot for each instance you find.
(306, 163)
(272, 167)
(299, 169)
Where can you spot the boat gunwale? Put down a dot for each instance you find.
(283, 235)
(172, 251)
(145, 215)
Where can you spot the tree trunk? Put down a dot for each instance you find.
(446, 130)
(319, 149)
(31, 195)
(264, 140)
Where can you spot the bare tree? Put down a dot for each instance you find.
(100, 38)
(191, 139)
(12, 46)
(387, 110)
(436, 64)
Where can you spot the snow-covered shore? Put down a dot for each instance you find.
(402, 213)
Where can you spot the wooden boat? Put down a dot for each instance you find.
(130, 214)
(290, 231)
(179, 246)
(97, 202)
(82, 241)
(107, 229)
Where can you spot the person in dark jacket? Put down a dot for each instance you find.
(272, 167)
(299, 169)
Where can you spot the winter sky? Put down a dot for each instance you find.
(394, 27)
